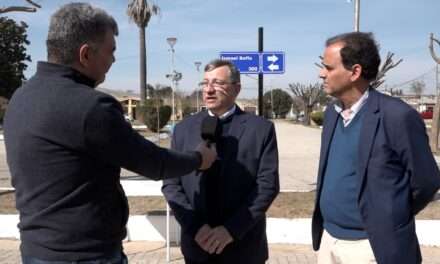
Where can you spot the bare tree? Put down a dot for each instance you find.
(417, 87)
(141, 11)
(386, 66)
(310, 95)
(21, 8)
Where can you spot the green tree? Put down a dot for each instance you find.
(280, 106)
(188, 105)
(141, 11)
(155, 115)
(13, 39)
(162, 91)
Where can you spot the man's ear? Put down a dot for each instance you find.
(84, 54)
(356, 72)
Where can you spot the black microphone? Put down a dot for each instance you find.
(209, 129)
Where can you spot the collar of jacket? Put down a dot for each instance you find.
(48, 69)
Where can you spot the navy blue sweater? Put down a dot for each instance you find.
(338, 201)
(65, 144)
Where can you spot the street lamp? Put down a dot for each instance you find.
(198, 64)
(172, 41)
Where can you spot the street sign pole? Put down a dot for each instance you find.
(260, 75)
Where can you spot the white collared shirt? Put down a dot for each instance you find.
(355, 108)
(226, 114)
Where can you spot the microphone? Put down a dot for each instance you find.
(209, 129)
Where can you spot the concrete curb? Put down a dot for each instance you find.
(152, 227)
(279, 230)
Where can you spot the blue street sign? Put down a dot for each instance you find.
(272, 62)
(246, 62)
(253, 62)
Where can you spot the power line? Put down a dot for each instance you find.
(414, 79)
(188, 64)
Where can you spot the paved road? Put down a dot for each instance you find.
(298, 149)
(154, 252)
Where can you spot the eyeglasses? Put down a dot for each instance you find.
(215, 83)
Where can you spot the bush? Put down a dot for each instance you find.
(149, 114)
(317, 117)
(188, 110)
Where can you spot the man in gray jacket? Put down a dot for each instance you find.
(66, 143)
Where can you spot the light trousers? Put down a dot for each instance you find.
(338, 251)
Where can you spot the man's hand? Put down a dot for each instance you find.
(209, 154)
(216, 241)
(202, 235)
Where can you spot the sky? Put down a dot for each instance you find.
(204, 28)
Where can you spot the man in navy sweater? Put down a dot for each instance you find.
(376, 171)
(66, 142)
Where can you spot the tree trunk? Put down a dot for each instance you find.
(307, 111)
(143, 65)
(433, 139)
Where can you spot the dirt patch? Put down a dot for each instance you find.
(286, 205)
(7, 202)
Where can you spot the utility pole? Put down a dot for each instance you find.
(433, 139)
(357, 10)
(172, 41)
(260, 75)
(198, 64)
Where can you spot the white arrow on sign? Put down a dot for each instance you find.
(273, 67)
(272, 58)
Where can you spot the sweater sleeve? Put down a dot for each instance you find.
(111, 139)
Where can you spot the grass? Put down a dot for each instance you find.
(286, 205)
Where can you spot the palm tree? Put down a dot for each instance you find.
(140, 11)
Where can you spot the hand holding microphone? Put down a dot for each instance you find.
(207, 147)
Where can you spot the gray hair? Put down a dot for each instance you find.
(73, 25)
(217, 63)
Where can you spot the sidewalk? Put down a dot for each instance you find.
(154, 252)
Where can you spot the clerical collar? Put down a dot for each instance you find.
(225, 115)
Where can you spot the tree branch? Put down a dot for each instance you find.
(33, 3)
(17, 9)
(21, 8)
(431, 48)
(388, 65)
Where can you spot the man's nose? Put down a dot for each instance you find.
(322, 73)
(210, 88)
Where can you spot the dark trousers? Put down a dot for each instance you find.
(117, 258)
(211, 260)
(215, 260)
